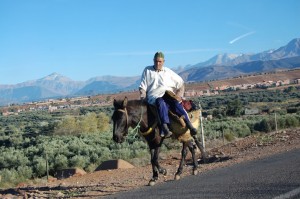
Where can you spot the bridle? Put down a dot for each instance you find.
(126, 115)
(137, 127)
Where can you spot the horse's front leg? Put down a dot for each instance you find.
(161, 169)
(182, 161)
(156, 168)
(195, 162)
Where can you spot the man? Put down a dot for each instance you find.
(156, 80)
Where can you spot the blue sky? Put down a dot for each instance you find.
(82, 39)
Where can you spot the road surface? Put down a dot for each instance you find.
(274, 177)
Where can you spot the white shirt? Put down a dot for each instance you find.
(155, 83)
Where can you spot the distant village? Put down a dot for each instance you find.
(192, 90)
(215, 90)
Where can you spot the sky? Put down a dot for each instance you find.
(82, 39)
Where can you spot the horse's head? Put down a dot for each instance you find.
(120, 120)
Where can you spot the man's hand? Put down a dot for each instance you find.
(179, 99)
(143, 98)
(180, 93)
(142, 95)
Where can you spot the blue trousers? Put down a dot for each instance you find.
(163, 107)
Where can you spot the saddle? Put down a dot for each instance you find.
(177, 123)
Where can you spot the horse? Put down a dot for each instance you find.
(138, 114)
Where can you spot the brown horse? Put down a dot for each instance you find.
(134, 114)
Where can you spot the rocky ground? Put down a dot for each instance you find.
(108, 182)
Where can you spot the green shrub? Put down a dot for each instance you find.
(102, 122)
(91, 167)
(60, 162)
(123, 153)
(242, 130)
(94, 157)
(104, 154)
(9, 177)
(67, 126)
(11, 158)
(263, 126)
(281, 123)
(291, 121)
(79, 161)
(88, 123)
(39, 167)
(229, 136)
(24, 173)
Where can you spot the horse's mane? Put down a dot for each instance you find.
(133, 104)
(136, 102)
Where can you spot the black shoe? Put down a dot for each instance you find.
(169, 134)
(165, 131)
(192, 129)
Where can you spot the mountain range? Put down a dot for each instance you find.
(218, 67)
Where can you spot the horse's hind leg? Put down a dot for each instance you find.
(195, 163)
(182, 161)
(200, 146)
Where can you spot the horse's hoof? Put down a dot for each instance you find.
(177, 177)
(195, 172)
(164, 172)
(151, 183)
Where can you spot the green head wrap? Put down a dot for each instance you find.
(159, 55)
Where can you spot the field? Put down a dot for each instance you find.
(107, 182)
(81, 138)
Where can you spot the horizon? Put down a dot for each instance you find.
(103, 76)
(82, 40)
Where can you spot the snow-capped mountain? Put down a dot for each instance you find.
(218, 67)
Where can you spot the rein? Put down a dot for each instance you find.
(137, 127)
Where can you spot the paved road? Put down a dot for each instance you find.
(275, 177)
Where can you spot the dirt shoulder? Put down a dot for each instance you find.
(108, 182)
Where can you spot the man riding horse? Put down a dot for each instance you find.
(163, 88)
